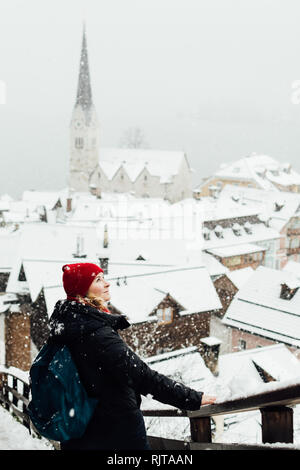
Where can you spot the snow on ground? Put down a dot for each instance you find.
(14, 436)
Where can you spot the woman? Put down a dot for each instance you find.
(108, 368)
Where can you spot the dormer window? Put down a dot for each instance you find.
(206, 233)
(237, 229)
(248, 228)
(164, 315)
(22, 276)
(278, 206)
(288, 291)
(286, 167)
(219, 231)
(274, 171)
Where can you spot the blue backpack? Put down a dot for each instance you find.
(59, 408)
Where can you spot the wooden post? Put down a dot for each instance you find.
(15, 387)
(5, 390)
(200, 429)
(26, 392)
(277, 424)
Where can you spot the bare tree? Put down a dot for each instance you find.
(133, 138)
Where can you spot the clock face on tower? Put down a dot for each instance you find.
(78, 124)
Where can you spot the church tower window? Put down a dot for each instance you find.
(79, 142)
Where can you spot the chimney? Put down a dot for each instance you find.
(103, 263)
(69, 204)
(79, 247)
(105, 238)
(209, 350)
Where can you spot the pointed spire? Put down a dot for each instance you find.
(84, 91)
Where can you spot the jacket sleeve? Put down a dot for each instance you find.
(125, 366)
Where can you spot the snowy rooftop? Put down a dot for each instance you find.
(258, 308)
(146, 285)
(240, 276)
(191, 287)
(234, 250)
(263, 169)
(44, 198)
(161, 163)
(211, 341)
(238, 375)
(8, 245)
(277, 205)
(258, 233)
(292, 267)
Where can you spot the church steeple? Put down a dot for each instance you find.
(84, 90)
(84, 131)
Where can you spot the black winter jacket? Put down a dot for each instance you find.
(113, 373)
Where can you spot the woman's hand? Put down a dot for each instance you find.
(208, 400)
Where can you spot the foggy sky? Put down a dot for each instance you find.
(210, 77)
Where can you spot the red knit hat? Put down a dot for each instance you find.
(78, 277)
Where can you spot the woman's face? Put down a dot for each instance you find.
(100, 288)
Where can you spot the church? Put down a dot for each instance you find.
(143, 172)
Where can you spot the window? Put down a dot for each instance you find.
(242, 344)
(294, 243)
(234, 261)
(79, 142)
(164, 315)
(219, 231)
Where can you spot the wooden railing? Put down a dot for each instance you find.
(276, 408)
(14, 396)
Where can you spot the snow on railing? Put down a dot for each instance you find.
(275, 401)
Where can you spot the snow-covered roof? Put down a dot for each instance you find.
(276, 205)
(258, 308)
(56, 241)
(9, 242)
(161, 163)
(217, 209)
(169, 252)
(191, 287)
(238, 375)
(214, 267)
(39, 273)
(234, 250)
(259, 233)
(211, 341)
(240, 276)
(276, 360)
(292, 267)
(43, 198)
(262, 169)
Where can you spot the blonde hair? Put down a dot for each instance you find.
(93, 301)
